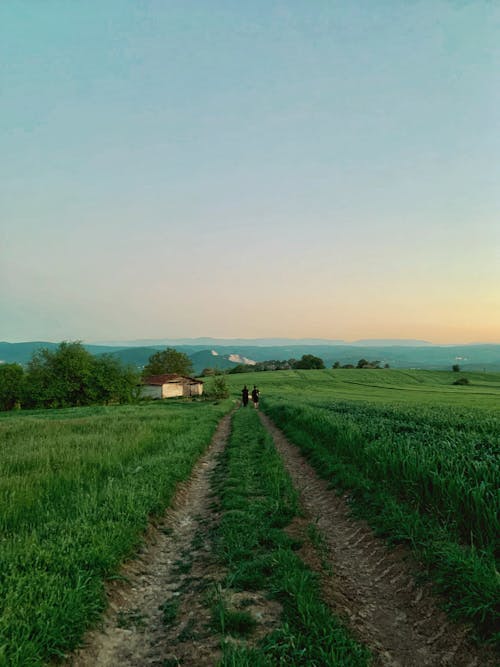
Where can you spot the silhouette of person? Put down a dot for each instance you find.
(255, 397)
(244, 396)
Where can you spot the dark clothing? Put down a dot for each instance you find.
(244, 396)
(255, 395)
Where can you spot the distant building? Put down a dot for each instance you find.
(171, 385)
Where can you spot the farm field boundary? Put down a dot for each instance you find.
(370, 584)
(428, 479)
(156, 612)
(77, 488)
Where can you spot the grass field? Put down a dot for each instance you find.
(76, 489)
(418, 455)
(420, 458)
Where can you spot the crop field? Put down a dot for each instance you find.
(76, 489)
(420, 459)
(414, 454)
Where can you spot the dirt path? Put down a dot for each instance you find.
(371, 586)
(160, 615)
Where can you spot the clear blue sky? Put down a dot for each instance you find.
(325, 168)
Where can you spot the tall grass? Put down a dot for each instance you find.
(76, 489)
(425, 475)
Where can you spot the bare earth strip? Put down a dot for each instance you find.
(372, 586)
(134, 630)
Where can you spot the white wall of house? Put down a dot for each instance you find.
(172, 389)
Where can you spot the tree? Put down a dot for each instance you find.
(309, 361)
(168, 361)
(362, 363)
(59, 378)
(112, 382)
(455, 368)
(11, 385)
(336, 364)
(71, 376)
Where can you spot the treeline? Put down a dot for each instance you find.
(307, 362)
(65, 377)
(362, 363)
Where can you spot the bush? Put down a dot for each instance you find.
(462, 381)
(218, 388)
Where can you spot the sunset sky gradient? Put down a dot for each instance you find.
(323, 169)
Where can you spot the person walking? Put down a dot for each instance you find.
(244, 396)
(255, 397)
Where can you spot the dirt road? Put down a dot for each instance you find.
(161, 614)
(138, 628)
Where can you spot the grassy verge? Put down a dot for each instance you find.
(419, 477)
(258, 502)
(76, 489)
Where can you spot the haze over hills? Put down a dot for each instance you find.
(205, 342)
(221, 355)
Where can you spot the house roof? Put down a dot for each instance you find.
(166, 378)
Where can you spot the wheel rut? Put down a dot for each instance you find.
(158, 614)
(371, 586)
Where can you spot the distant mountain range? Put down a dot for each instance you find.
(224, 354)
(260, 342)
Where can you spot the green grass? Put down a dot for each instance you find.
(420, 458)
(76, 489)
(258, 501)
(386, 386)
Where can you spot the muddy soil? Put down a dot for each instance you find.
(371, 586)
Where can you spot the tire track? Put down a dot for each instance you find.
(373, 586)
(134, 631)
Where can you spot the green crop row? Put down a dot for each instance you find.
(76, 489)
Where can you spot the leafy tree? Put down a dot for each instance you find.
(168, 361)
(336, 364)
(362, 363)
(309, 361)
(112, 382)
(71, 376)
(59, 378)
(455, 368)
(11, 385)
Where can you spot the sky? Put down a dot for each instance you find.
(324, 168)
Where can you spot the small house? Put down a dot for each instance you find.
(171, 385)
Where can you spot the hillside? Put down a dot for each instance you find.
(438, 357)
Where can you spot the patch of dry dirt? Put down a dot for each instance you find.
(159, 615)
(161, 612)
(371, 586)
